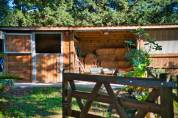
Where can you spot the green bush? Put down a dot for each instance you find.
(1, 115)
(9, 76)
(6, 84)
(7, 81)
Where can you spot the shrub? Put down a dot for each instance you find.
(7, 81)
(9, 76)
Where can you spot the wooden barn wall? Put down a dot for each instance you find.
(18, 43)
(19, 65)
(47, 68)
(48, 57)
(20, 62)
(167, 61)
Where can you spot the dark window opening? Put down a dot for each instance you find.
(48, 43)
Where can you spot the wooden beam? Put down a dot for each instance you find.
(50, 28)
(142, 82)
(166, 100)
(79, 101)
(120, 110)
(90, 99)
(126, 102)
(153, 95)
(162, 87)
(166, 103)
(69, 99)
(33, 54)
(64, 99)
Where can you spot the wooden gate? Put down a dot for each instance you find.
(159, 87)
(48, 68)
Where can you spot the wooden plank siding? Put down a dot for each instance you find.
(18, 43)
(20, 62)
(48, 68)
(19, 65)
(168, 58)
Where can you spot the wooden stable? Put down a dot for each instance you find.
(161, 87)
(41, 53)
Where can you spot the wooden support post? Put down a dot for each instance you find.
(166, 100)
(64, 98)
(175, 96)
(33, 47)
(177, 84)
(69, 98)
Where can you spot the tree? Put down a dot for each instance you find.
(4, 8)
(151, 12)
(88, 12)
(38, 13)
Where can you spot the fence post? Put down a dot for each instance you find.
(64, 97)
(177, 83)
(166, 99)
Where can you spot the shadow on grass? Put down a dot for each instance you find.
(35, 102)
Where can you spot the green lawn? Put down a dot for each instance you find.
(33, 103)
(41, 102)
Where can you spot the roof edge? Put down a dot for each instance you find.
(50, 28)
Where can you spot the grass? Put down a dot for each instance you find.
(39, 102)
(36, 102)
(42, 102)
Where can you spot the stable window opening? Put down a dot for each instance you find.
(48, 43)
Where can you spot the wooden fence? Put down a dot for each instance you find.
(160, 87)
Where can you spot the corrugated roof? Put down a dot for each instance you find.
(89, 28)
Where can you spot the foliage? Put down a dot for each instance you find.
(1, 54)
(87, 12)
(141, 34)
(1, 116)
(139, 58)
(35, 102)
(39, 102)
(5, 75)
(140, 61)
(142, 96)
(7, 81)
(4, 9)
(6, 84)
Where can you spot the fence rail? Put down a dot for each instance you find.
(160, 87)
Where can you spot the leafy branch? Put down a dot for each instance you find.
(140, 58)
